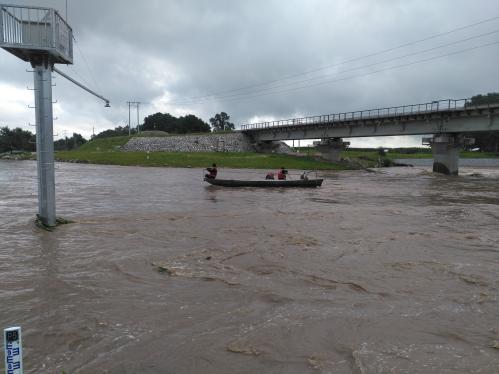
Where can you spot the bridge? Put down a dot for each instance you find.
(448, 122)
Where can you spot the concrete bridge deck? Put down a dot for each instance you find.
(447, 120)
(445, 116)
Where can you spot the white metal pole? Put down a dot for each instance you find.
(45, 144)
(13, 349)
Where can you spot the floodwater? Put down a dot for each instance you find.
(393, 271)
(465, 163)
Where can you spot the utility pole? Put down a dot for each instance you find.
(137, 104)
(129, 127)
(138, 123)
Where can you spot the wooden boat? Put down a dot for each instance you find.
(265, 183)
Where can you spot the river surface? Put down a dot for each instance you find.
(465, 163)
(388, 271)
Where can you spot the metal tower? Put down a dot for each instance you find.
(41, 37)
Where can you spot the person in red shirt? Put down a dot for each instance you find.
(281, 174)
(269, 175)
(212, 172)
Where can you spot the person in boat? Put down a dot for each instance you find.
(212, 172)
(269, 175)
(281, 174)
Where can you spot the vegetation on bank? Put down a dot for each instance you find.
(16, 140)
(111, 144)
(199, 159)
(106, 151)
(463, 154)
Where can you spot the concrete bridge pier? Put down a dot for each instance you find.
(270, 146)
(446, 148)
(330, 148)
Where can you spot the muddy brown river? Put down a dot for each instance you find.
(393, 271)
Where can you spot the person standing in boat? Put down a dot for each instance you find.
(281, 174)
(212, 172)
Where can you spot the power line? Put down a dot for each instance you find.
(83, 79)
(342, 72)
(366, 74)
(92, 76)
(219, 93)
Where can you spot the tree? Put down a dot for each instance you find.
(16, 140)
(117, 131)
(68, 144)
(160, 122)
(171, 124)
(191, 123)
(490, 98)
(486, 141)
(221, 122)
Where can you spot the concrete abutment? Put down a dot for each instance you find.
(446, 149)
(331, 148)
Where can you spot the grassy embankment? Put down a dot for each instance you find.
(412, 154)
(106, 151)
(463, 154)
(407, 153)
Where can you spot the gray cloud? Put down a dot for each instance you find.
(154, 51)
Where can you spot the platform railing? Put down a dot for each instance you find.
(404, 110)
(28, 27)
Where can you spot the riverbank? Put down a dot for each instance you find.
(108, 151)
(19, 156)
(422, 155)
(203, 159)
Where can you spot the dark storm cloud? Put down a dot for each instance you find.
(162, 52)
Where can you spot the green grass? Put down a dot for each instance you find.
(463, 154)
(104, 144)
(204, 159)
(479, 155)
(394, 155)
(372, 155)
(106, 151)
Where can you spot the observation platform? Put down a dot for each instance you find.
(33, 32)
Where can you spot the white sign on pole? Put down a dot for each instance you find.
(13, 350)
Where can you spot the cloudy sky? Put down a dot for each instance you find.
(260, 59)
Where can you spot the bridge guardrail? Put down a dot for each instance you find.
(424, 108)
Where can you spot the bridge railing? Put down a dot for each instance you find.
(424, 108)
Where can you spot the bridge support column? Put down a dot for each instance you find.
(267, 146)
(331, 148)
(446, 148)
